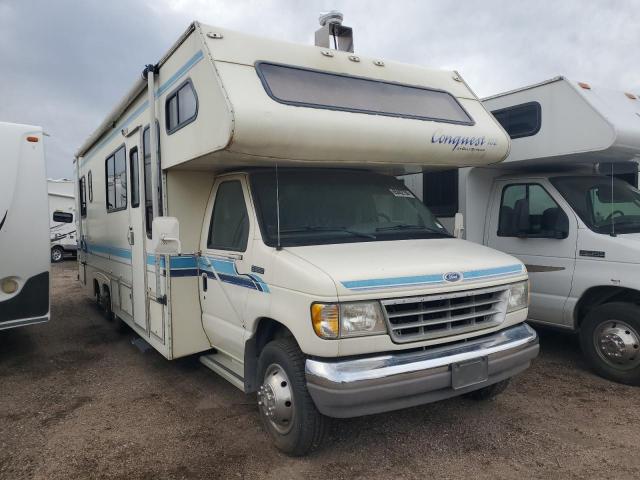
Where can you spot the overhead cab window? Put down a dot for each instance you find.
(333, 91)
(520, 121)
(116, 175)
(181, 107)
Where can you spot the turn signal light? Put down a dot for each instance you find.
(33, 139)
(9, 285)
(325, 318)
(586, 86)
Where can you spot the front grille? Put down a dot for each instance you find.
(413, 319)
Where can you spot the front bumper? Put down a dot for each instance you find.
(364, 386)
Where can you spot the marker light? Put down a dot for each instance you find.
(631, 96)
(9, 285)
(586, 86)
(33, 139)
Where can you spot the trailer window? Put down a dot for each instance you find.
(134, 171)
(90, 178)
(181, 107)
(116, 175)
(229, 227)
(148, 201)
(520, 120)
(83, 197)
(440, 192)
(333, 91)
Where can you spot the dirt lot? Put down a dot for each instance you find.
(78, 400)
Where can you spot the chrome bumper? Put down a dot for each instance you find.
(362, 386)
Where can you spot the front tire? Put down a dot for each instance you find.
(610, 340)
(57, 254)
(286, 408)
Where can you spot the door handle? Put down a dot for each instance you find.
(130, 237)
(204, 282)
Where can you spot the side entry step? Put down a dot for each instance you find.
(224, 366)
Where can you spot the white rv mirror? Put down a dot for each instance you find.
(458, 225)
(166, 236)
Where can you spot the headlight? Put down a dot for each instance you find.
(356, 319)
(518, 296)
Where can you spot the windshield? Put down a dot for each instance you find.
(605, 206)
(339, 206)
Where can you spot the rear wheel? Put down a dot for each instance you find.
(106, 304)
(57, 254)
(489, 392)
(286, 408)
(610, 340)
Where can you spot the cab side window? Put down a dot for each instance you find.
(528, 211)
(229, 227)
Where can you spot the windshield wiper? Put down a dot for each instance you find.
(317, 228)
(406, 226)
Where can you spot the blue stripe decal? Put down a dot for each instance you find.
(108, 250)
(431, 279)
(162, 89)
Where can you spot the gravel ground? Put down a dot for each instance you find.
(78, 400)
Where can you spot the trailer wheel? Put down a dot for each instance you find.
(57, 254)
(286, 408)
(610, 340)
(106, 304)
(489, 392)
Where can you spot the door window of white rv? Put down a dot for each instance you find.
(90, 178)
(148, 201)
(135, 177)
(116, 175)
(181, 107)
(333, 91)
(83, 197)
(229, 227)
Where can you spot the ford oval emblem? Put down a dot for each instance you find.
(452, 277)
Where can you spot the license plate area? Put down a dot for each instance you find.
(470, 372)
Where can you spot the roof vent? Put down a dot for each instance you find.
(331, 26)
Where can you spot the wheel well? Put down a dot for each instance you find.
(267, 330)
(597, 296)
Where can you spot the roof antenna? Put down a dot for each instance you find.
(278, 245)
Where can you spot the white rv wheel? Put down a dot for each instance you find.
(57, 254)
(286, 408)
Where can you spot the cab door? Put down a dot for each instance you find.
(225, 264)
(530, 221)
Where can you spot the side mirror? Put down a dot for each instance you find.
(165, 236)
(458, 225)
(62, 217)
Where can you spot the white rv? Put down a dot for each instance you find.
(62, 216)
(24, 236)
(566, 203)
(265, 229)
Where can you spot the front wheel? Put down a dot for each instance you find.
(286, 408)
(57, 254)
(610, 340)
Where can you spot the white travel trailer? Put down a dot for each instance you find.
(266, 230)
(24, 237)
(564, 202)
(62, 215)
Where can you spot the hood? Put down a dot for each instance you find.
(623, 248)
(412, 267)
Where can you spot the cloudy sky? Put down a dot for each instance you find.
(65, 63)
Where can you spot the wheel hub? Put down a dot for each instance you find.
(275, 399)
(618, 343)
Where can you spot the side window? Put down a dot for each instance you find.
(528, 211)
(83, 197)
(440, 192)
(134, 172)
(520, 121)
(148, 202)
(116, 185)
(90, 179)
(229, 227)
(181, 107)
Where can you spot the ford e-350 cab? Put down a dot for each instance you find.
(281, 246)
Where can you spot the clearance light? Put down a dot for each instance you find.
(33, 139)
(631, 96)
(9, 285)
(586, 86)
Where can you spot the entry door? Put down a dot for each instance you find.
(530, 221)
(226, 252)
(136, 234)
